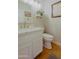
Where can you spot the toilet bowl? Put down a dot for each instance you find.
(47, 40)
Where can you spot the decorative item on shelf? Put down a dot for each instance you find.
(39, 14)
(27, 13)
(27, 20)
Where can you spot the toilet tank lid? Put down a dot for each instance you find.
(45, 35)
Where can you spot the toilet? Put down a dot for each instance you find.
(47, 40)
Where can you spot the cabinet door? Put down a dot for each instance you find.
(25, 52)
(24, 47)
(37, 45)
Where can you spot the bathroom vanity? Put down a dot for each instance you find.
(30, 43)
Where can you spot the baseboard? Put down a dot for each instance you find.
(56, 42)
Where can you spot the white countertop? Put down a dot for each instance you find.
(27, 30)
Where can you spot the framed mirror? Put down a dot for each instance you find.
(56, 9)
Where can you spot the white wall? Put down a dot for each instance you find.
(53, 25)
(54, 28)
(21, 8)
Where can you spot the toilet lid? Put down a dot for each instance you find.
(47, 36)
(48, 39)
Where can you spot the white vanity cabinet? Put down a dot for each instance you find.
(30, 43)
